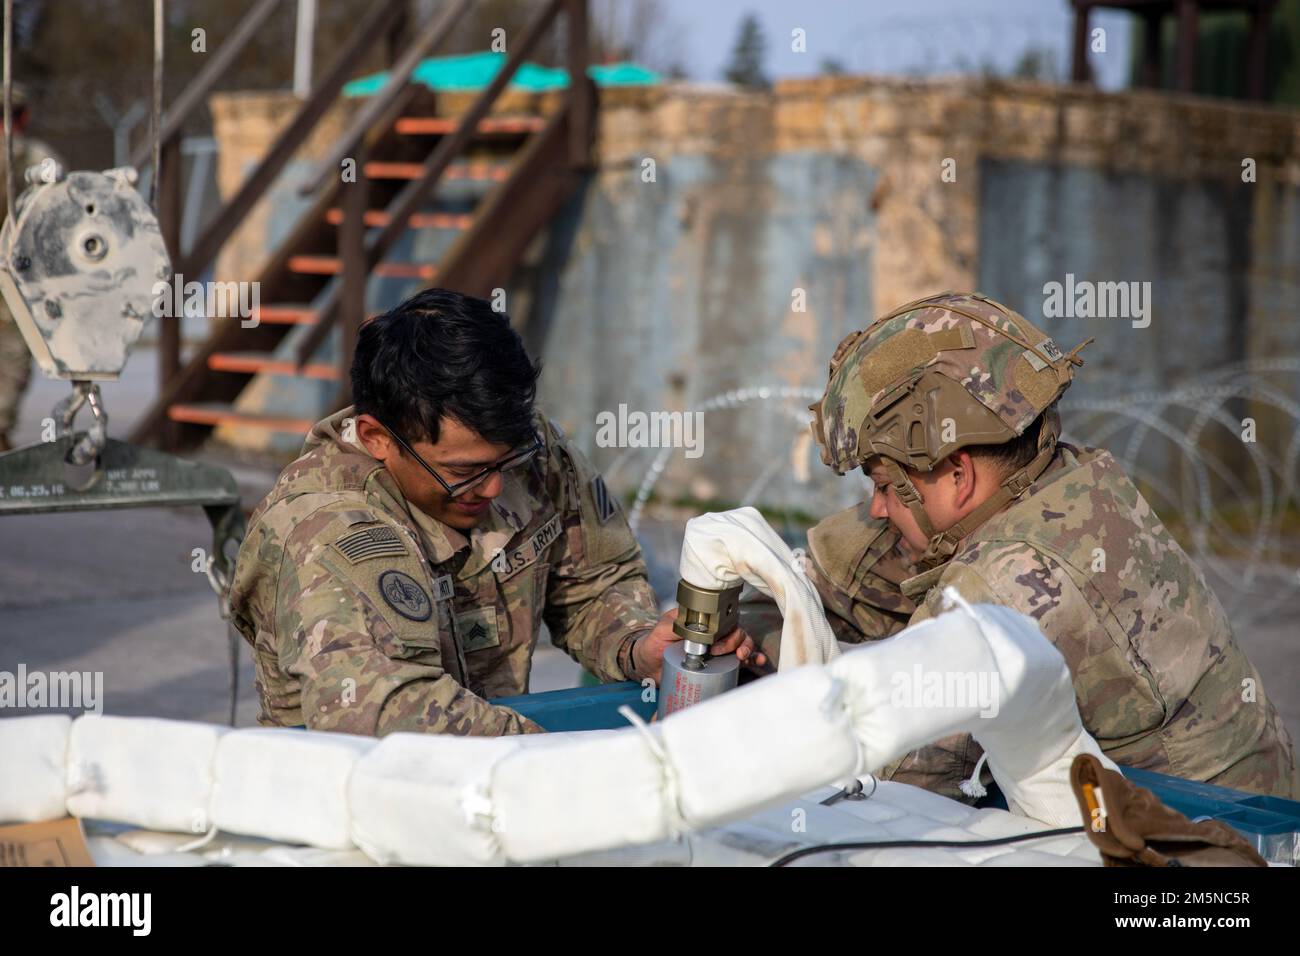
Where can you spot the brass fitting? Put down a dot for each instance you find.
(706, 614)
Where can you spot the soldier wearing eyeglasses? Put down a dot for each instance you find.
(398, 575)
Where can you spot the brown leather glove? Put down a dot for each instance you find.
(1131, 827)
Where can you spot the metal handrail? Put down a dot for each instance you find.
(213, 70)
(372, 28)
(409, 199)
(398, 77)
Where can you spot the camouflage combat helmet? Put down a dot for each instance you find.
(936, 375)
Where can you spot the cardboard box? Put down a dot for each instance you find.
(52, 843)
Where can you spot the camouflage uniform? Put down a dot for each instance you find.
(1160, 681)
(367, 616)
(15, 359)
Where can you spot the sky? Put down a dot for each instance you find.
(916, 37)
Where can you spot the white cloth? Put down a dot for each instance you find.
(421, 799)
(724, 547)
(759, 744)
(983, 670)
(287, 785)
(33, 761)
(143, 770)
(605, 791)
(443, 800)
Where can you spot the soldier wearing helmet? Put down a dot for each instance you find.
(949, 404)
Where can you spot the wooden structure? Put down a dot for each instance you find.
(317, 275)
(1188, 13)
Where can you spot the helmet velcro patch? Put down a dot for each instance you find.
(895, 357)
(1040, 388)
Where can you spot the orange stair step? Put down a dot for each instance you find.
(489, 126)
(420, 220)
(286, 315)
(332, 266)
(473, 171)
(250, 363)
(221, 413)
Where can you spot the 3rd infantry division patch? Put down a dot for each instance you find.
(606, 504)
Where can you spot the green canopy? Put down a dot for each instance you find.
(473, 71)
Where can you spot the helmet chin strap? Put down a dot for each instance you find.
(943, 544)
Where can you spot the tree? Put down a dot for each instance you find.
(1036, 63)
(1223, 50)
(746, 66)
(637, 30)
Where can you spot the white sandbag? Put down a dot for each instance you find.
(588, 794)
(151, 772)
(33, 774)
(764, 742)
(1039, 731)
(422, 799)
(721, 548)
(998, 679)
(1045, 793)
(888, 685)
(287, 785)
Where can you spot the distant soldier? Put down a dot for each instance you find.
(15, 360)
(398, 575)
(950, 405)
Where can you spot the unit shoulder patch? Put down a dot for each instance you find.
(405, 595)
(606, 503)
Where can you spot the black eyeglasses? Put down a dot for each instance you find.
(513, 460)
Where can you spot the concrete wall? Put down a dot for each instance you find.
(776, 223)
(682, 287)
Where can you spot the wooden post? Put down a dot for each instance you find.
(580, 99)
(395, 42)
(1153, 51)
(169, 222)
(1185, 72)
(1257, 52)
(352, 253)
(1079, 72)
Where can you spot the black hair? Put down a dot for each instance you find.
(1011, 456)
(440, 354)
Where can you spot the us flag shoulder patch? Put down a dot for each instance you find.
(367, 543)
(606, 503)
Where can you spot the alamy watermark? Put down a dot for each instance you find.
(57, 690)
(636, 429)
(1083, 299)
(133, 911)
(214, 300)
(920, 688)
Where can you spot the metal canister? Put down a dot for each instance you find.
(688, 679)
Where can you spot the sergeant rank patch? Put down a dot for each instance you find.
(606, 504)
(405, 596)
(478, 629)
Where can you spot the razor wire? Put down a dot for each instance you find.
(1165, 441)
(735, 398)
(1257, 569)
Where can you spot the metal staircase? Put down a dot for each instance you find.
(489, 181)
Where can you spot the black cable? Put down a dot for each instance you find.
(888, 844)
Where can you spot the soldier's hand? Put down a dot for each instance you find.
(648, 654)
